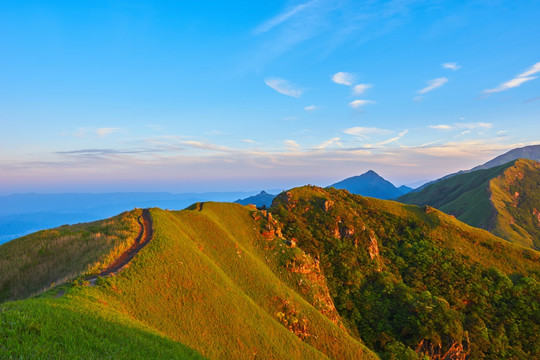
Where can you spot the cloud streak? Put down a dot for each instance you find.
(281, 18)
(283, 87)
(516, 81)
(432, 85)
(459, 126)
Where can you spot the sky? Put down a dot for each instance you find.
(100, 96)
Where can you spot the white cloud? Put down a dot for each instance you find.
(501, 132)
(361, 88)
(102, 132)
(465, 132)
(275, 21)
(283, 87)
(364, 132)
(329, 142)
(249, 141)
(394, 139)
(205, 146)
(292, 145)
(517, 81)
(478, 125)
(531, 71)
(311, 108)
(343, 78)
(356, 104)
(433, 84)
(441, 127)
(451, 66)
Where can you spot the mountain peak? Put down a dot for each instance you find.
(369, 184)
(371, 173)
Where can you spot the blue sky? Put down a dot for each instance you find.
(213, 96)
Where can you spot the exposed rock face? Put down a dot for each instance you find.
(328, 204)
(373, 246)
(310, 268)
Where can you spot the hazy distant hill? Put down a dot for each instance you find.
(259, 200)
(323, 275)
(504, 200)
(531, 152)
(371, 184)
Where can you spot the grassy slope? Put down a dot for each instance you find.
(481, 199)
(515, 196)
(38, 261)
(207, 280)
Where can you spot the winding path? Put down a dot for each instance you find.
(144, 237)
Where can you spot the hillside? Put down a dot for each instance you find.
(502, 199)
(414, 280)
(370, 184)
(209, 279)
(321, 275)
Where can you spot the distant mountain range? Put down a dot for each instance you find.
(531, 152)
(503, 199)
(371, 184)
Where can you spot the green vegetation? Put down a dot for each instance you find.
(413, 281)
(502, 200)
(323, 274)
(38, 261)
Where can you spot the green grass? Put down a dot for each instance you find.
(75, 327)
(39, 261)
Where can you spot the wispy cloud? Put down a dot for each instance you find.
(281, 18)
(433, 84)
(205, 146)
(359, 89)
(292, 145)
(357, 104)
(283, 87)
(102, 132)
(311, 108)
(394, 139)
(330, 142)
(84, 132)
(459, 126)
(365, 132)
(516, 81)
(451, 66)
(343, 78)
(441, 127)
(249, 141)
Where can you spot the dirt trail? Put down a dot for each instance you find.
(144, 237)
